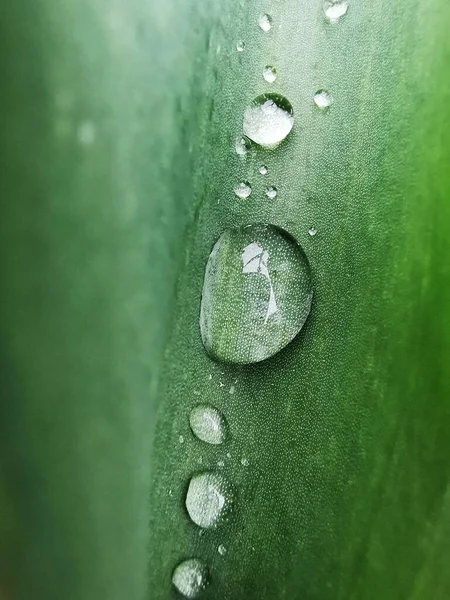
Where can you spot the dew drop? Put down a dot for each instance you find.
(243, 190)
(241, 146)
(268, 119)
(222, 550)
(312, 232)
(181, 439)
(220, 464)
(269, 74)
(208, 424)
(263, 170)
(335, 10)
(271, 192)
(265, 22)
(257, 294)
(209, 499)
(244, 462)
(191, 577)
(323, 99)
(240, 46)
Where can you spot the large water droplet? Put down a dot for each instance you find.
(208, 424)
(209, 499)
(243, 190)
(257, 294)
(323, 99)
(269, 74)
(335, 10)
(265, 22)
(271, 192)
(268, 119)
(191, 577)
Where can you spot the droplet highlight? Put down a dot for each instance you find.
(265, 22)
(268, 120)
(243, 190)
(208, 424)
(269, 74)
(191, 577)
(323, 99)
(271, 192)
(257, 294)
(335, 10)
(209, 499)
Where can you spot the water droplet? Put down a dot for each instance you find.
(191, 577)
(220, 463)
(209, 498)
(243, 190)
(257, 294)
(263, 170)
(86, 133)
(312, 232)
(241, 146)
(170, 493)
(323, 99)
(222, 550)
(268, 119)
(208, 424)
(228, 455)
(240, 46)
(265, 22)
(271, 192)
(181, 439)
(244, 462)
(335, 10)
(269, 74)
(231, 390)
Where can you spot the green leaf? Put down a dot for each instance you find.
(118, 171)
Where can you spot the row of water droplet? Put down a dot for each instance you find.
(285, 301)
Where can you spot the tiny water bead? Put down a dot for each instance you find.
(244, 462)
(241, 146)
(265, 22)
(323, 99)
(222, 550)
(312, 232)
(271, 192)
(263, 170)
(243, 190)
(191, 577)
(209, 498)
(240, 46)
(335, 10)
(269, 74)
(208, 424)
(257, 294)
(268, 120)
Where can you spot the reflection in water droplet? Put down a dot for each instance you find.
(240, 46)
(268, 119)
(265, 22)
(243, 190)
(271, 192)
(263, 170)
(335, 10)
(269, 74)
(208, 424)
(209, 498)
(190, 577)
(323, 99)
(257, 294)
(312, 232)
(221, 550)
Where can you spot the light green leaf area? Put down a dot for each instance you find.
(118, 167)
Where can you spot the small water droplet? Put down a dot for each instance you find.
(268, 119)
(244, 462)
(265, 22)
(191, 577)
(209, 498)
(220, 463)
(312, 232)
(170, 492)
(323, 99)
(263, 170)
(269, 74)
(243, 190)
(241, 146)
(228, 455)
(222, 550)
(240, 46)
(334, 10)
(181, 439)
(86, 133)
(256, 296)
(208, 424)
(271, 192)
(231, 390)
